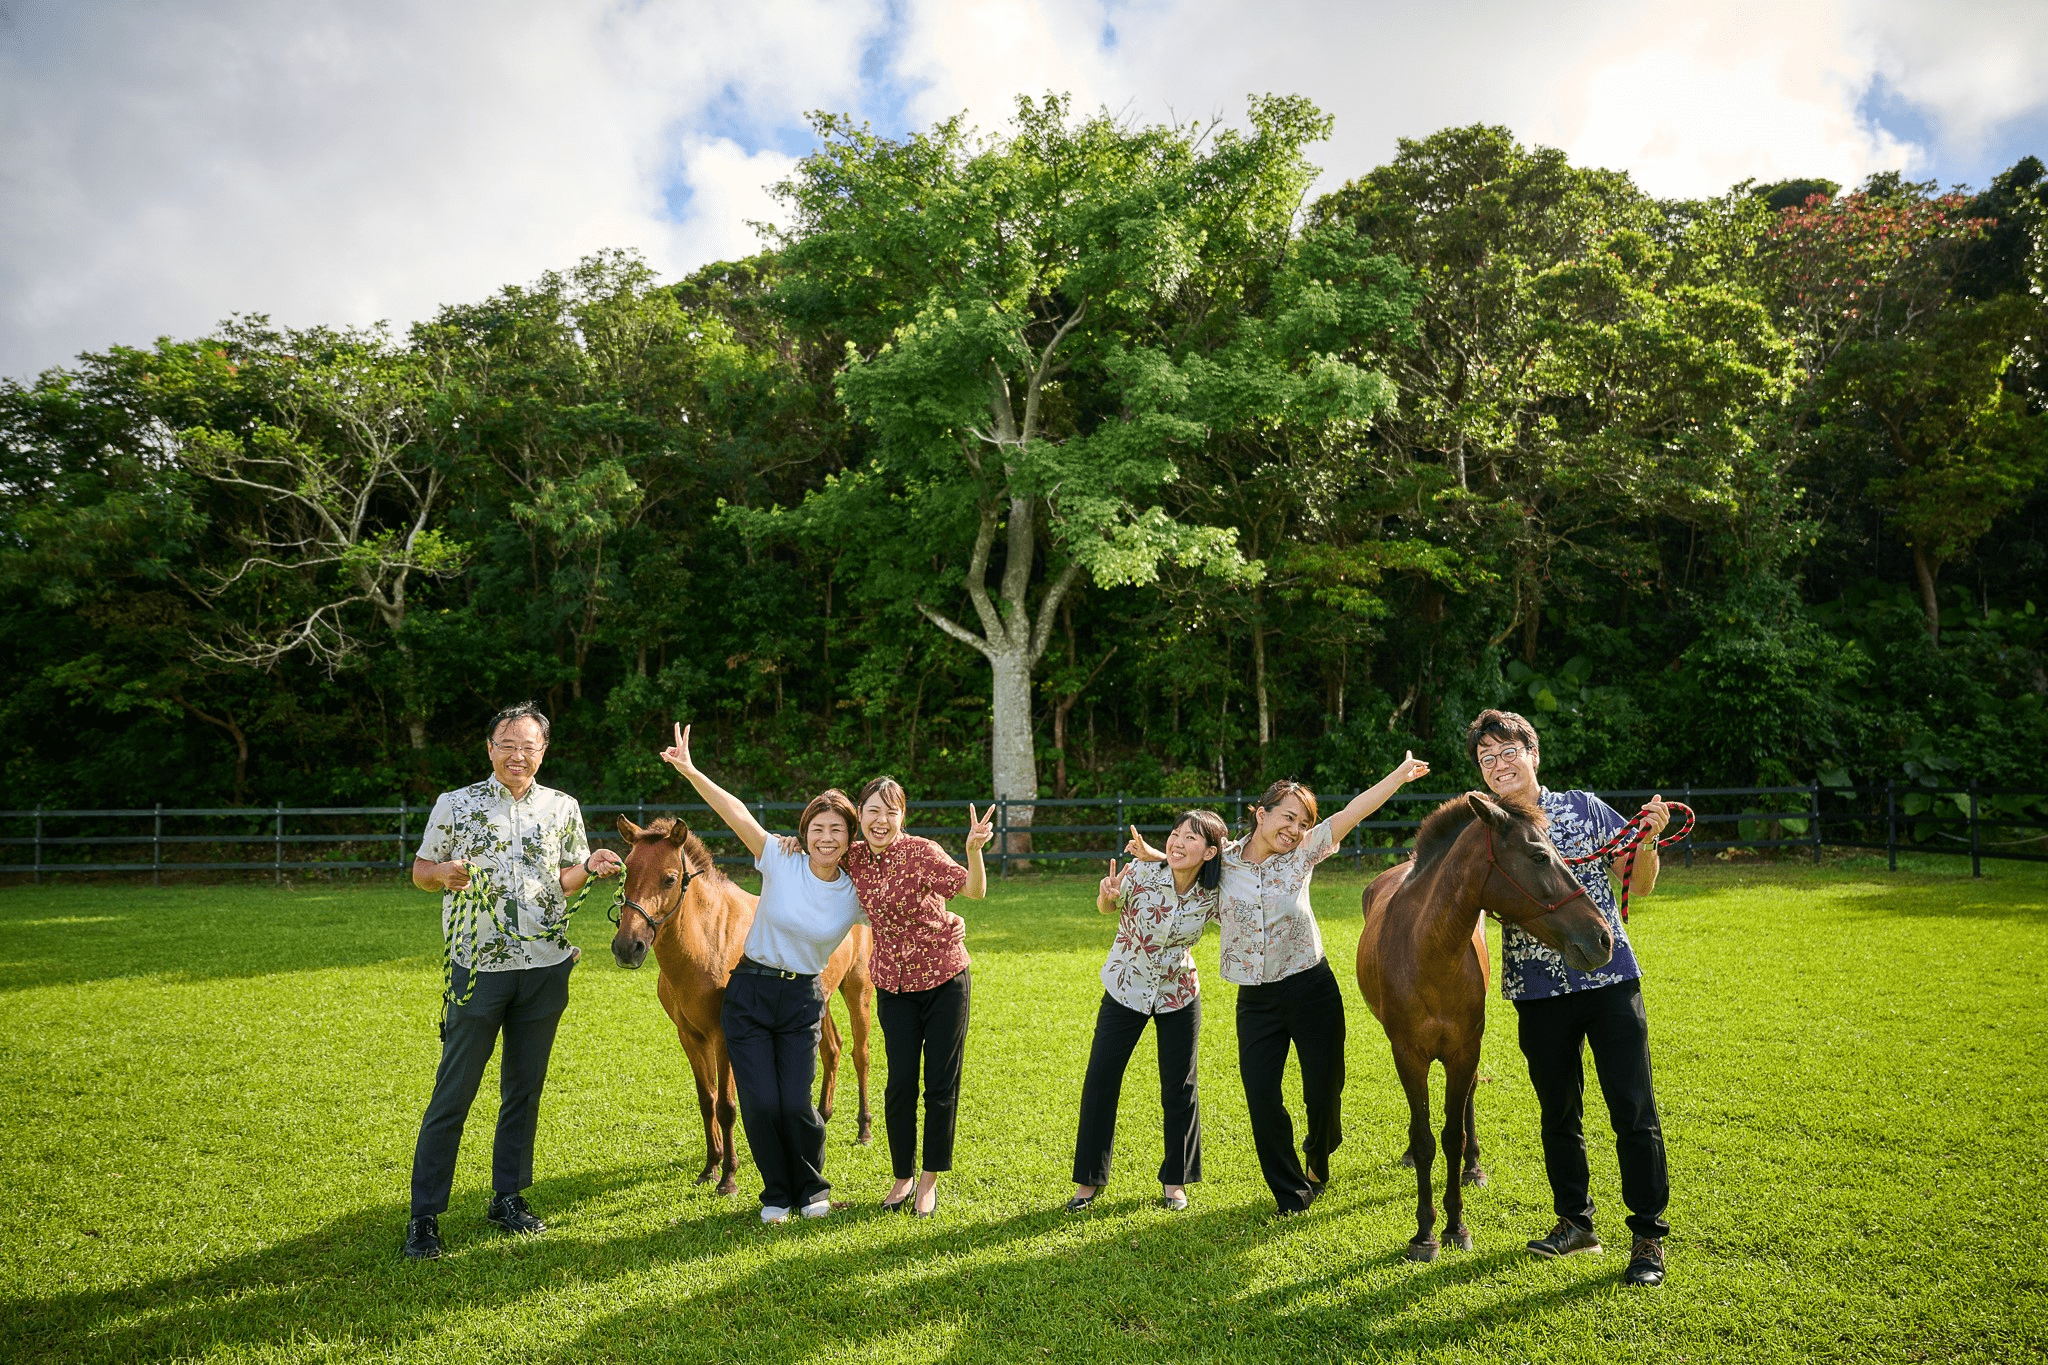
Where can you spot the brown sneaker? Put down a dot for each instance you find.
(1566, 1239)
(1645, 1262)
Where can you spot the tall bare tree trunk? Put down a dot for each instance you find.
(1925, 569)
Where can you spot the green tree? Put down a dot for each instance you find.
(1003, 302)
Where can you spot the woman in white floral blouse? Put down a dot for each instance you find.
(1288, 997)
(1150, 974)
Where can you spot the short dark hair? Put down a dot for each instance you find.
(831, 801)
(1501, 725)
(1210, 826)
(1285, 788)
(526, 710)
(886, 787)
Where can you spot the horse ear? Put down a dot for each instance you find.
(631, 831)
(677, 833)
(1487, 811)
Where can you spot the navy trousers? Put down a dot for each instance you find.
(771, 1033)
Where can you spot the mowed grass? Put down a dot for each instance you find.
(208, 1098)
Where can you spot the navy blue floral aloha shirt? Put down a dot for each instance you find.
(1579, 823)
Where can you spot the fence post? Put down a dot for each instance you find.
(1687, 798)
(1237, 808)
(156, 848)
(1003, 831)
(39, 843)
(1119, 824)
(277, 846)
(1976, 862)
(403, 828)
(1891, 825)
(1816, 823)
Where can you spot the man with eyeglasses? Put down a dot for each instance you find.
(524, 844)
(1561, 1011)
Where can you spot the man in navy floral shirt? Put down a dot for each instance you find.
(1562, 1010)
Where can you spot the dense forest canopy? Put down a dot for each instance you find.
(1081, 458)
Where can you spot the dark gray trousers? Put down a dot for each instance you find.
(771, 1033)
(525, 1006)
(928, 1027)
(1117, 1030)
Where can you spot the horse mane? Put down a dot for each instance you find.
(696, 857)
(1442, 826)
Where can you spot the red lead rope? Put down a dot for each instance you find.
(1630, 838)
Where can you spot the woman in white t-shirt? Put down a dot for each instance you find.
(774, 1002)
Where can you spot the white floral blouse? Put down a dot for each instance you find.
(1150, 969)
(1269, 931)
(522, 846)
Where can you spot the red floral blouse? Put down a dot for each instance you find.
(904, 888)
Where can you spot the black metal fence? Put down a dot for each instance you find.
(1967, 821)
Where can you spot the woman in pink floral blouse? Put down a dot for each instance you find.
(922, 981)
(1150, 975)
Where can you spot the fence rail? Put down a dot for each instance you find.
(1967, 821)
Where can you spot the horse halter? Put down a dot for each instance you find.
(1578, 888)
(654, 925)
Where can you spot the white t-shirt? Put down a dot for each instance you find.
(801, 920)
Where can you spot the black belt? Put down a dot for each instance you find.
(750, 967)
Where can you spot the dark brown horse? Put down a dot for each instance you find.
(1422, 966)
(676, 901)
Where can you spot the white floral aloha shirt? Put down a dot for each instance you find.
(1150, 969)
(522, 845)
(1269, 931)
(1579, 823)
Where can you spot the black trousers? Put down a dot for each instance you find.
(1554, 1033)
(927, 1027)
(525, 1005)
(771, 1033)
(1305, 1010)
(1117, 1030)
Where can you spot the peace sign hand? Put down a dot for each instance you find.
(677, 756)
(1140, 850)
(1110, 887)
(980, 828)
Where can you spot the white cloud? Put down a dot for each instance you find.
(343, 161)
(346, 160)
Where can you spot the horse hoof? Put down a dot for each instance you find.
(1407, 1161)
(1476, 1177)
(1422, 1251)
(865, 1137)
(705, 1174)
(728, 1186)
(1461, 1239)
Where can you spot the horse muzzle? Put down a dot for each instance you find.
(628, 952)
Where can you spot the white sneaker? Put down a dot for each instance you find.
(817, 1210)
(774, 1213)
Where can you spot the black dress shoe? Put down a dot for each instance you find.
(1566, 1239)
(509, 1212)
(1081, 1201)
(1645, 1263)
(423, 1238)
(897, 1205)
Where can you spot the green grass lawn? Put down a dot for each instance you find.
(208, 1097)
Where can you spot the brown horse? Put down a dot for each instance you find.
(676, 901)
(1422, 966)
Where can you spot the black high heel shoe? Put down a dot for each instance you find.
(917, 1212)
(1079, 1202)
(896, 1205)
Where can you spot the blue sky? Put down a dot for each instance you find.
(346, 161)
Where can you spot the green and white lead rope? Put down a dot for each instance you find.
(466, 913)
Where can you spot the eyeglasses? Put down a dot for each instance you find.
(1506, 755)
(518, 750)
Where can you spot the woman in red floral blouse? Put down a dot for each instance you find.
(922, 983)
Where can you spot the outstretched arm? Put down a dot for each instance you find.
(1375, 796)
(729, 808)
